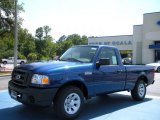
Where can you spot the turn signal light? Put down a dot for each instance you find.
(45, 80)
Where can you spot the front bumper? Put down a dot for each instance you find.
(33, 96)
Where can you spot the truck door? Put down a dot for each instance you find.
(110, 77)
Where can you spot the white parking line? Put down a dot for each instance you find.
(148, 96)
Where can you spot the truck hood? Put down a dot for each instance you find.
(45, 67)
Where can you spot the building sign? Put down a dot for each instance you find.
(118, 43)
(158, 22)
(113, 43)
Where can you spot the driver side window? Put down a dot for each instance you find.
(108, 53)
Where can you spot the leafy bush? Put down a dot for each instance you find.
(32, 56)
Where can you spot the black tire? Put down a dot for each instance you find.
(158, 69)
(63, 102)
(5, 62)
(139, 91)
(22, 62)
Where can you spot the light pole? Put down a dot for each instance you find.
(15, 36)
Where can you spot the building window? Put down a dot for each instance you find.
(157, 51)
(100, 43)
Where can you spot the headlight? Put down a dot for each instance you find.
(40, 79)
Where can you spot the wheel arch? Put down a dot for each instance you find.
(76, 83)
(144, 78)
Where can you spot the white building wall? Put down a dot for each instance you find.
(151, 33)
(143, 36)
(137, 44)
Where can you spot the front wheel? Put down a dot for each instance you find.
(5, 62)
(22, 62)
(69, 102)
(139, 91)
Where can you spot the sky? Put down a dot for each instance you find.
(86, 17)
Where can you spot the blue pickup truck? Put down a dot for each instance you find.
(80, 73)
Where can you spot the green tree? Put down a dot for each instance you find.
(46, 30)
(6, 45)
(32, 56)
(39, 33)
(26, 43)
(84, 40)
(20, 56)
(45, 47)
(74, 39)
(59, 48)
(49, 48)
(7, 12)
(62, 38)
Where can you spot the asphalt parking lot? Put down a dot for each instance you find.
(117, 106)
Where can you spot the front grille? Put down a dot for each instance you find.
(19, 77)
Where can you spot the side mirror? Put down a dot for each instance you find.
(103, 61)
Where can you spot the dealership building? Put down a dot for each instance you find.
(143, 46)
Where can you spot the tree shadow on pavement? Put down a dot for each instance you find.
(95, 107)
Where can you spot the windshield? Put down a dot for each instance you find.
(83, 54)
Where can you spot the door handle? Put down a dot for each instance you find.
(119, 70)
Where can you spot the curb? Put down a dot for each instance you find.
(5, 75)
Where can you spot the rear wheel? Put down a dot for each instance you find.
(139, 91)
(69, 102)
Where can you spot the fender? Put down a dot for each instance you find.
(78, 78)
(143, 76)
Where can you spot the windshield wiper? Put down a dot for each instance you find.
(73, 59)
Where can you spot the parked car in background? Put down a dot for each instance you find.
(127, 61)
(11, 60)
(156, 66)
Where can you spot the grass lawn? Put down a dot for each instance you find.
(4, 73)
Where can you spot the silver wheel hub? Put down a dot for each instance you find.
(72, 103)
(141, 90)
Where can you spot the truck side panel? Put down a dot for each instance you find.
(134, 72)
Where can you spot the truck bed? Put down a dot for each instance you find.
(134, 71)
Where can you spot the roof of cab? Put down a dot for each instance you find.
(97, 46)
